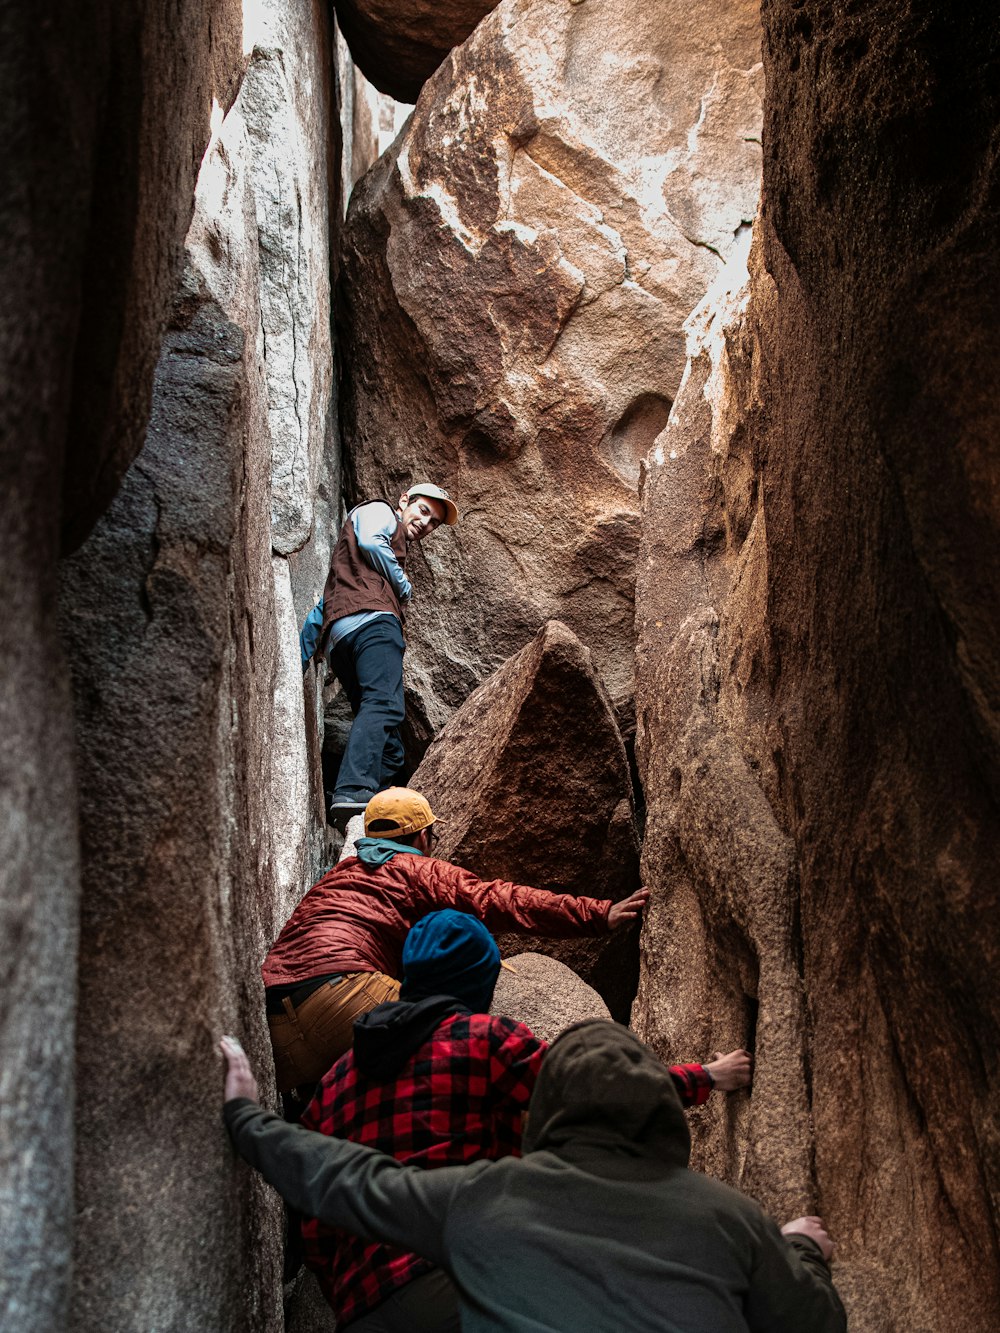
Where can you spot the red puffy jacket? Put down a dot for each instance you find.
(355, 919)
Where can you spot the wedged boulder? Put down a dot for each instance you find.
(398, 46)
(816, 688)
(545, 995)
(532, 784)
(517, 270)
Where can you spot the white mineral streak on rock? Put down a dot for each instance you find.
(278, 103)
(290, 803)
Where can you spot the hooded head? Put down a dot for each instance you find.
(451, 953)
(601, 1091)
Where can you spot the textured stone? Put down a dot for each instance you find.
(306, 1308)
(398, 45)
(105, 113)
(517, 271)
(545, 994)
(286, 82)
(531, 783)
(718, 946)
(201, 823)
(816, 693)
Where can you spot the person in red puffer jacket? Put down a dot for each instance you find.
(340, 953)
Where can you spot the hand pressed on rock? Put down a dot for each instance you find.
(625, 912)
(240, 1081)
(731, 1071)
(812, 1227)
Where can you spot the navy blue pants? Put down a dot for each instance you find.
(369, 665)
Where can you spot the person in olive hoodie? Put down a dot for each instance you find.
(435, 1080)
(600, 1226)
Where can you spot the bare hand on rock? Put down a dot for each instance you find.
(731, 1071)
(240, 1081)
(625, 912)
(813, 1228)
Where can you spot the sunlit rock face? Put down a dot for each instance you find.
(200, 824)
(516, 274)
(531, 783)
(398, 45)
(816, 675)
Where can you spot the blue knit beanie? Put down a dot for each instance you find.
(451, 953)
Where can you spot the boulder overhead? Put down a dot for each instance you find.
(398, 44)
(518, 267)
(531, 782)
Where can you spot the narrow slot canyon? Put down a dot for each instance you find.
(691, 309)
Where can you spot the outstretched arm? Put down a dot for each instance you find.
(343, 1184)
(523, 909)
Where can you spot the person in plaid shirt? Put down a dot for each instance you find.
(434, 1080)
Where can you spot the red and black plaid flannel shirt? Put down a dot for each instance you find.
(458, 1099)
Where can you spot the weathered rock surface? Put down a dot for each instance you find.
(201, 822)
(531, 783)
(105, 113)
(546, 995)
(816, 697)
(101, 161)
(517, 271)
(398, 46)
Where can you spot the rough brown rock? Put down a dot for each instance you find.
(398, 46)
(816, 696)
(545, 994)
(517, 271)
(531, 783)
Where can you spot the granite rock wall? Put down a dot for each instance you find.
(516, 272)
(105, 110)
(817, 668)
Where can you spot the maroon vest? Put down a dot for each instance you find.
(352, 585)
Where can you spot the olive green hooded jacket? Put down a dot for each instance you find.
(599, 1228)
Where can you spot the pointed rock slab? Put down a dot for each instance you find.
(517, 272)
(531, 781)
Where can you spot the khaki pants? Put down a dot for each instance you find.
(308, 1040)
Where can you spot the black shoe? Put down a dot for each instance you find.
(343, 808)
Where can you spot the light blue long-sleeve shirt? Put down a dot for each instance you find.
(374, 525)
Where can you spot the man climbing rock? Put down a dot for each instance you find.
(340, 953)
(358, 624)
(433, 1080)
(600, 1225)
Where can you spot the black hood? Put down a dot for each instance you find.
(386, 1037)
(601, 1092)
